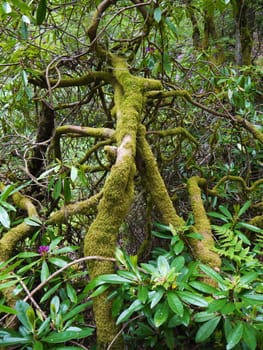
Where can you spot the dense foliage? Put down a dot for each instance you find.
(131, 174)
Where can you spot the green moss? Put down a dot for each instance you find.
(154, 183)
(202, 249)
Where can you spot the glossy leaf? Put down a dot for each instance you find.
(156, 296)
(41, 11)
(73, 173)
(21, 308)
(142, 293)
(175, 304)
(7, 310)
(57, 261)
(57, 189)
(6, 7)
(207, 329)
(135, 306)
(235, 336)
(212, 273)
(71, 293)
(4, 217)
(44, 271)
(161, 314)
(163, 265)
(192, 298)
(38, 345)
(157, 14)
(249, 336)
(64, 336)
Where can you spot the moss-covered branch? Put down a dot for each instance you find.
(202, 249)
(154, 183)
(175, 132)
(238, 179)
(85, 207)
(92, 77)
(82, 131)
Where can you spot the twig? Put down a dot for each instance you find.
(121, 330)
(29, 295)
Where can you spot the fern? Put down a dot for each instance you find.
(231, 246)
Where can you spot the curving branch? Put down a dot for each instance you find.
(92, 77)
(185, 94)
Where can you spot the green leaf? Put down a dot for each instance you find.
(156, 296)
(195, 236)
(30, 314)
(54, 305)
(99, 290)
(73, 173)
(218, 216)
(76, 310)
(157, 14)
(27, 255)
(7, 340)
(57, 261)
(178, 247)
(66, 190)
(44, 274)
(25, 19)
(50, 292)
(64, 336)
(41, 12)
(207, 329)
(169, 338)
(24, 31)
(54, 243)
(7, 192)
(235, 336)
(127, 274)
(203, 316)
(135, 306)
(178, 263)
(244, 208)
(161, 314)
(21, 308)
(175, 304)
(249, 336)
(6, 7)
(142, 293)
(117, 305)
(212, 273)
(192, 298)
(7, 310)
(7, 206)
(203, 287)
(249, 277)
(37, 345)
(217, 305)
(163, 265)
(33, 221)
(7, 284)
(71, 293)
(21, 5)
(250, 227)
(4, 217)
(225, 211)
(253, 299)
(110, 278)
(57, 189)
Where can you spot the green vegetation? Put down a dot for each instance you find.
(131, 174)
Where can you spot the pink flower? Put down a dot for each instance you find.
(43, 249)
(150, 49)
